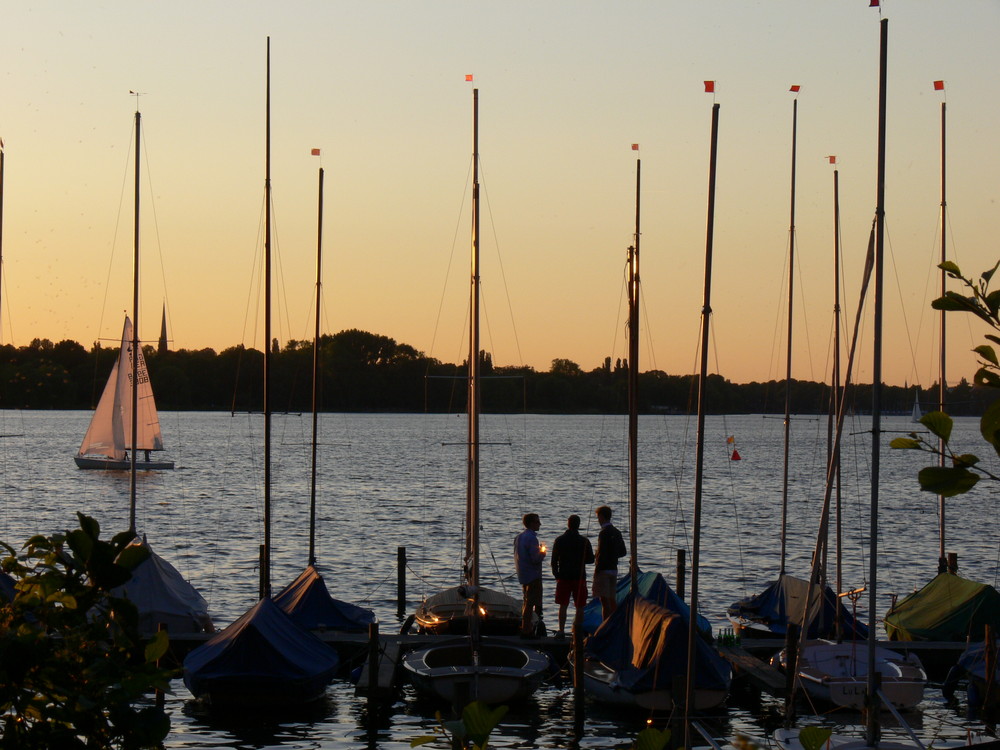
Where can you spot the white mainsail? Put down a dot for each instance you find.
(110, 431)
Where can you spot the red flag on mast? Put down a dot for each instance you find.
(709, 87)
(939, 85)
(468, 76)
(795, 88)
(833, 159)
(635, 146)
(315, 152)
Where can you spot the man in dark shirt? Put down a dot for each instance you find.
(610, 547)
(571, 553)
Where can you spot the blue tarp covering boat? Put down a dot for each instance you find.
(650, 586)
(646, 645)
(262, 659)
(308, 602)
(784, 599)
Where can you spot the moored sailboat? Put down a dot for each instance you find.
(473, 667)
(263, 659)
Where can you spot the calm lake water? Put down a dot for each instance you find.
(398, 480)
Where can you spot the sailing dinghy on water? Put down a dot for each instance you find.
(472, 667)
(109, 437)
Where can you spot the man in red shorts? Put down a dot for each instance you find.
(571, 553)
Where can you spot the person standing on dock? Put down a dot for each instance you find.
(610, 547)
(528, 556)
(571, 553)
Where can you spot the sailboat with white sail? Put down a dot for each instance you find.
(473, 666)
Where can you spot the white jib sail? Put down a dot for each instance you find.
(110, 431)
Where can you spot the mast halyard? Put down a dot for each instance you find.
(788, 344)
(134, 358)
(633, 390)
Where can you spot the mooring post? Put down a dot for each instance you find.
(161, 698)
(373, 644)
(400, 582)
(680, 573)
(953, 562)
(578, 694)
(990, 653)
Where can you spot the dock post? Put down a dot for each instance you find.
(680, 573)
(953, 562)
(578, 694)
(161, 698)
(990, 653)
(373, 643)
(400, 582)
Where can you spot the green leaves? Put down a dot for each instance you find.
(814, 738)
(652, 738)
(479, 721)
(946, 481)
(939, 423)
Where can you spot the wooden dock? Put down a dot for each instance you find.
(762, 674)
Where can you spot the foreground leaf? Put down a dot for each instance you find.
(939, 423)
(946, 481)
(814, 738)
(652, 738)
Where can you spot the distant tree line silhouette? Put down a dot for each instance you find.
(367, 372)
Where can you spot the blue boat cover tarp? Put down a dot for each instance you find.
(785, 598)
(650, 586)
(646, 645)
(7, 591)
(308, 602)
(263, 645)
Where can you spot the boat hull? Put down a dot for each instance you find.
(503, 672)
(837, 673)
(447, 613)
(601, 683)
(102, 463)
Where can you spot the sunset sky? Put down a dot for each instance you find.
(565, 88)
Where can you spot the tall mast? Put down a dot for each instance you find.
(1, 236)
(134, 376)
(315, 383)
(872, 727)
(633, 390)
(472, 496)
(836, 392)
(706, 313)
(265, 562)
(942, 381)
(788, 354)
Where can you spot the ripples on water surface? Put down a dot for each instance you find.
(398, 480)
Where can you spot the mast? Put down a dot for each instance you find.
(837, 391)
(788, 354)
(706, 312)
(1, 236)
(315, 383)
(265, 562)
(872, 727)
(942, 382)
(134, 375)
(472, 483)
(633, 390)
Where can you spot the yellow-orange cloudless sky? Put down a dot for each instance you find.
(565, 88)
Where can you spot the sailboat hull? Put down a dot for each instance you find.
(499, 673)
(602, 684)
(103, 463)
(446, 613)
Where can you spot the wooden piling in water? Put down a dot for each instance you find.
(680, 573)
(401, 582)
(373, 644)
(578, 694)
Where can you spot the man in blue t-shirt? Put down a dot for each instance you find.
(528, 556)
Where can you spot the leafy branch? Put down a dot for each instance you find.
(964, 471)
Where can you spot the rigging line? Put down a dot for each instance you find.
(804, 312)
(780, 318)
(899, 292)
(156, 219)
(931, 280)
(503, 273)
(451, 258)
